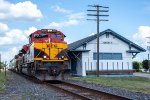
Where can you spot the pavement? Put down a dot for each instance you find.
(147, 75)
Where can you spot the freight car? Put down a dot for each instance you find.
(44, 57)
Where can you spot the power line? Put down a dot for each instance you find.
(97, 14)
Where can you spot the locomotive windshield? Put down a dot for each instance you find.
(56, 36)
(40, 36)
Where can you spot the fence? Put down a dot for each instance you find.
(109, 68)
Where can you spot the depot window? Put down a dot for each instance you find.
(108, 56)
(40, 36)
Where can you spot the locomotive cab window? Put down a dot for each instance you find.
(53, 35)
(36, 36)
(59, 36)
(56, 36)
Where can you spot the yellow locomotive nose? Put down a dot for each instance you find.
(50, 51)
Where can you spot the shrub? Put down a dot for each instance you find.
(2, 65)
(136, 66)
(145, 64)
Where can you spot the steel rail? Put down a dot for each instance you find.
(35, 80)
(87, 93)
(75, 95)
(77, 91)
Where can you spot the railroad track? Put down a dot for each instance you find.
(78, 92)
(85, 93)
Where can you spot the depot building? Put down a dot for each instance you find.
(115, 54)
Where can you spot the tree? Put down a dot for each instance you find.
(145, 64)
(1, 65)
(136, 66)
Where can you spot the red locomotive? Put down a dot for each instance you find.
(45, 56)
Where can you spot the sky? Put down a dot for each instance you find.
(19, 18)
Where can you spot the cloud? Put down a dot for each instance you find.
(68, 40)
(92, 34)
(142, 34)
(8, 55)
(59, 25)
(3, 27)
(79, 15)
(73, 19)
(57, 8)
(21, 11)
(13, 40)
(16, 36)
(30, 30)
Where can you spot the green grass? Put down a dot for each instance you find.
(2, 82)
(136, 84)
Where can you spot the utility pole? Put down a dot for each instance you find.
(148, 48)
(0, 63)
(5, 67)
(98, 11)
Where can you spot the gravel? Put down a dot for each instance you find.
(19, 88)
(124, 93)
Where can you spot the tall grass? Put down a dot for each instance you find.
(2, 82)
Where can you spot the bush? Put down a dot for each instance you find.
(145, 64)
(2, 65)
(136, 66)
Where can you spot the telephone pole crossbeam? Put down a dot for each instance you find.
(92, 19)
(97, 6)
(97, 15)
(98, 10)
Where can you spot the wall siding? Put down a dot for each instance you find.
(114, 46)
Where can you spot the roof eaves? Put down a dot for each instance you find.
(90, 38)
(128, 41)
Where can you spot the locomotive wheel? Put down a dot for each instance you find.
(29, 70)
(33, 69)
(20, 69)
(17, 69)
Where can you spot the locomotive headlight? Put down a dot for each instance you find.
(44, 57)
(62, 57)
